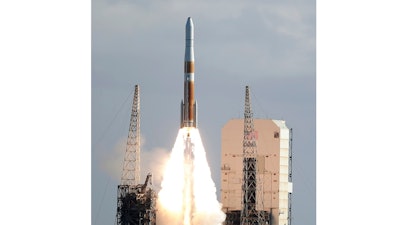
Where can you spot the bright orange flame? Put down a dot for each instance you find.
(188, 193)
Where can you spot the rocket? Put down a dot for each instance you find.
(188, 104)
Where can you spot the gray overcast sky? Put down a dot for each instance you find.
(269, 45)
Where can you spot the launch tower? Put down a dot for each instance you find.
(250, 190)
(136, 202)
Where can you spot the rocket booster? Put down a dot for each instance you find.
(188, 104)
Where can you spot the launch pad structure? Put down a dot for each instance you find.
(256, 170)
(136, 204)
(252, 212)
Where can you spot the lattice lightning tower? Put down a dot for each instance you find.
(249, 214)
(136, 204)
(131, 169)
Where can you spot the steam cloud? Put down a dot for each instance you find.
(153, 161)
(188, 193)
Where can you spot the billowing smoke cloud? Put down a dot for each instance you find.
(188, 193)
(151, 161)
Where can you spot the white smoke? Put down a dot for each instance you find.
(176, 203)
(113, 160)
(153, 161)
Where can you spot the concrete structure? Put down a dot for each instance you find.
(273, 168)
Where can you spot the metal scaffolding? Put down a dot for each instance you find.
(249, 214)
(136, 203)
(131, 169)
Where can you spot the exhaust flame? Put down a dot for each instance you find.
(188, 193)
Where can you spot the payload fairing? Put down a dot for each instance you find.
(188, 104)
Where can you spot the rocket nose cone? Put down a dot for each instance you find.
(189, 29)
(189, 23)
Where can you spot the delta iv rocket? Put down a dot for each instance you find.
(188, 104)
